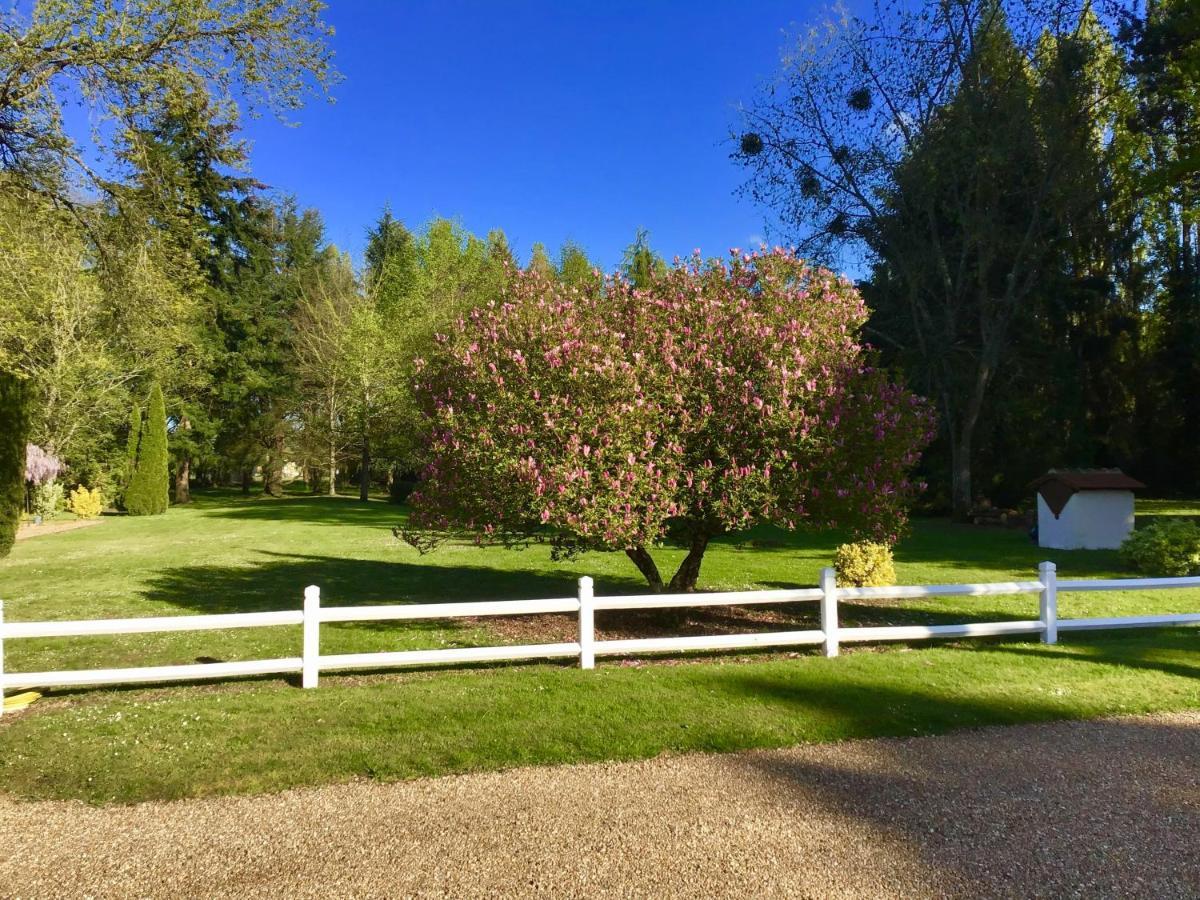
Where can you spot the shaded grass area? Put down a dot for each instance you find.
(227, 553)
(122, 746)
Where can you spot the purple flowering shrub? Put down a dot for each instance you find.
(723, 395)
(40, 467)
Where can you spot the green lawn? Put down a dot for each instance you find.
(229, 554)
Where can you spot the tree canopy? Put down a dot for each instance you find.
(995, 168)
(713, 397)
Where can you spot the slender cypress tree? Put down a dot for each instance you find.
(148, 491)
(14, 431)
(131, 444)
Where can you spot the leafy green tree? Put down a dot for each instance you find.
(14, 432)
(131, 445)
(149, 489)
(322, 329)
(575, 269)
(941, 143)
(129, 61)
(540, 262)
(83, 326)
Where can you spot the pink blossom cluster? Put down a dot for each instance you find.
(726, 393)
(40, 466)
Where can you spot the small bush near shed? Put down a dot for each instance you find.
(864, 564)
(1170, 548)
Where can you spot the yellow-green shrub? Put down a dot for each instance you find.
(864, 564)
(86, 504)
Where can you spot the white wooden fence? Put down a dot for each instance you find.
(584, 605)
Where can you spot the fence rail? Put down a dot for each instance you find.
(586, 648)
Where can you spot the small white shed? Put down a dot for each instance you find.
(1084, 509)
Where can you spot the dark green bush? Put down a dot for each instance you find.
(1170, 548)
(14, 432)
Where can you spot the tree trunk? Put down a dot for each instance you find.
(273, 468)
(364, 469)
(332, 468)
(646, 566)
(247, 477)
(272, 477)
(961, 441)
(960, 475)
(684, 580)
(364, 472)
(183, 470)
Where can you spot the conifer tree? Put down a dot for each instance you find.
(14, 430)
(131, 443)
(147, 494)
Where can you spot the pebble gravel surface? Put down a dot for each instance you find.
(1104, 808)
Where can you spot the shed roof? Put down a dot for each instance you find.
(1058, 485)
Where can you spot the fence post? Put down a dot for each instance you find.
(587, 624)
(1, 657)
(829, 613)
(1048, 576)
(311, 666)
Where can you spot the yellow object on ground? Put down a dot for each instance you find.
(20, 701)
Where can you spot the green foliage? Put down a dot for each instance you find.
(148, 491)
(14, 430)
(391, 263)
(1019, 259)
(864, 564)
(539, 262)
(641, 264)
(1168, 548)
(86, 504)
(131, 443)
(575, 269)
(48, 499)
(130, 61)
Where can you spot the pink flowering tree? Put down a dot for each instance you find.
(40, 467)
(721, 395)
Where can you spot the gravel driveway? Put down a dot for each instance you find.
(1101, 808)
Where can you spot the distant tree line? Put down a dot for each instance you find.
(153, 272)
(1019, 182)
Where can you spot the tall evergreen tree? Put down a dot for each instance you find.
(131, 445)
(944, 146)
(391, 261)
(641, 264)
(574, 267)
(539, 261)
(148, 493)
(14, 432)
(1165, 60)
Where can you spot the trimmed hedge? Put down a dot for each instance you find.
(148, 491)
(14, 432)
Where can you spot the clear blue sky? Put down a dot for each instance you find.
(580, 120)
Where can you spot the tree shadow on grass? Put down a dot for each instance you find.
(309, 510)
(276, 581)
(1125, 651)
